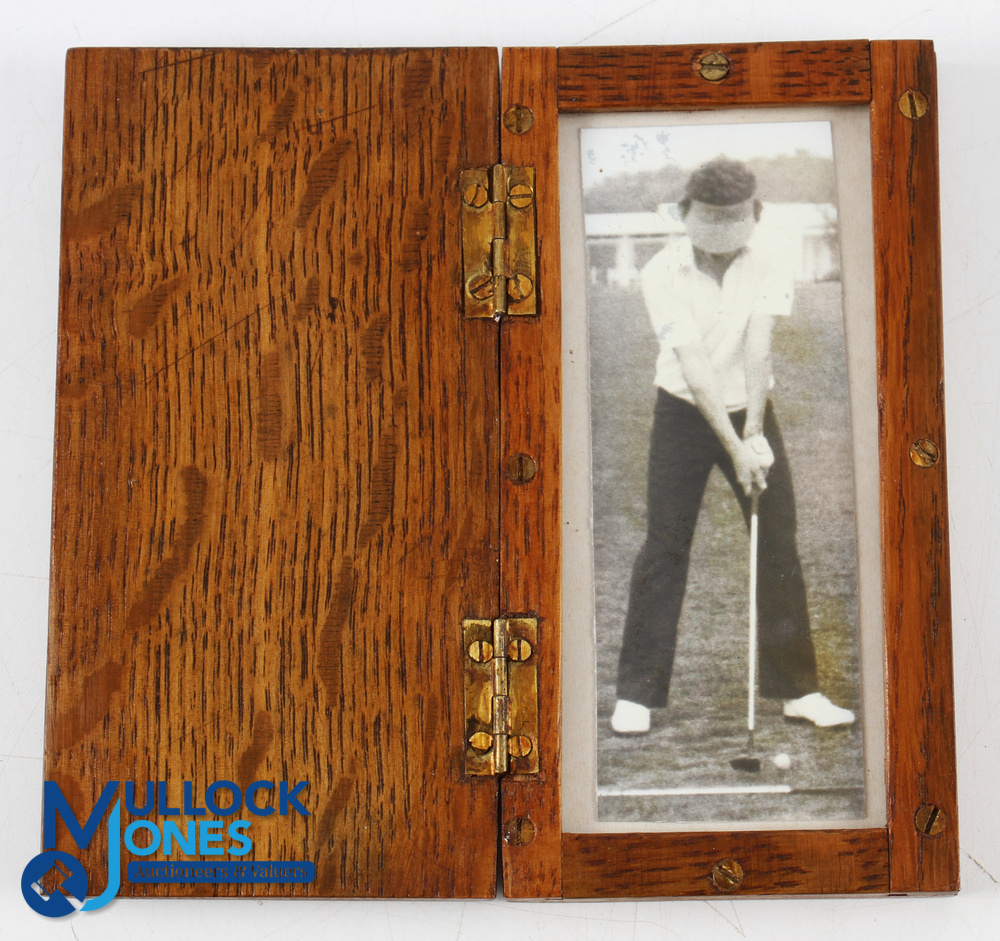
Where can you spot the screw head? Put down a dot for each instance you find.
(726, 875)
(521, 469)
(714, 67)
(519, 746)
(481, 287)
(518, 649)
(481, 741)
(930, 819)
(481, 651)
(913, 103)
(475, 195)
(518, 119)
(520, 196)
(518, 831)
(924, 452)
(519, 287)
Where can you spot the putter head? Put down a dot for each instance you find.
(746, 764)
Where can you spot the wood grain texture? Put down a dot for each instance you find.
(778, 862)
(276, 485)
(531, 423)
(921, 743)
(639, 78)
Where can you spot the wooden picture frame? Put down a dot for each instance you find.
(292, 462)
(916, 851)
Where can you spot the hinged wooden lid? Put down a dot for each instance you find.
(277, 451)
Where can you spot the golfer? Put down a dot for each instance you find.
(712, 298)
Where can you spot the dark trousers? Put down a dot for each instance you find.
(683, 449)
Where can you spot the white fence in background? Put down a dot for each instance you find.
(620, 243)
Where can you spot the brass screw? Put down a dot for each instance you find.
(518, 119)
(714, 67)
(518, 831)
(924, 452)
(518, 649)
(519, 746)
(913, 103)
(521, 469)
(475, 195)
(520, 196)
(519, 286)
(481, 651)
(481, 741)
(727, 874)
(481, 287)
(929, 819)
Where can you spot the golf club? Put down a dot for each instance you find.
(748, 762)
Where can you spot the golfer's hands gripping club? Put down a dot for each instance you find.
(752, 463)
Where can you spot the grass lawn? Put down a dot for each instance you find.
(704, 725)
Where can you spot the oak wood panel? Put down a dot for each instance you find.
(638, 78)
(531, 423)
(921, 742)
(276, 463)
(777, 862)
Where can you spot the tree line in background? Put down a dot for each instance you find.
(801, 177)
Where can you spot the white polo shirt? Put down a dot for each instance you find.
(685, 305)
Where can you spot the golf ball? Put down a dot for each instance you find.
(782, 761)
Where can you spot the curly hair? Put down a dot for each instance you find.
(721, 182)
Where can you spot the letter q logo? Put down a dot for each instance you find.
(65, 875)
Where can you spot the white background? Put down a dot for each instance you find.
(35, 37)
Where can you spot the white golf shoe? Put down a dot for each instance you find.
(818, 710)
(630, 718)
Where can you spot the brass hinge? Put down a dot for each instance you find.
(498, 241)
(501, 695)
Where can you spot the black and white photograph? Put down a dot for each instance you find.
(728, 681)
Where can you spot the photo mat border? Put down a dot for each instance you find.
(850, 130)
